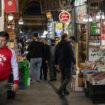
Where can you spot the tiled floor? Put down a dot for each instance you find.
(43, 93)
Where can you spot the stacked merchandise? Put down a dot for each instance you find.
(94, 82)
(85, 68)
(82, 41)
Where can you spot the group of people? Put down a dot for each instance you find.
(41, 57)
(58, 57)
(54, 58)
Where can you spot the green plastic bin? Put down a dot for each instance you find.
(24, 66)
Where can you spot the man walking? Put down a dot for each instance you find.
(36, 53)
(64, 58)
(52, 69)
(7, 63)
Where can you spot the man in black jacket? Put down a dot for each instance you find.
(64, 58)
(46, 54)
(52, 69)
(36, 53)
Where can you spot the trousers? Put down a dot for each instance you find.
(3, 92)
(65, 77)
(35, 66)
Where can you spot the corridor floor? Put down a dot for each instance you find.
(43, 93)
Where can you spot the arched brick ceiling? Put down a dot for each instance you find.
(32, 8)
(24, 3)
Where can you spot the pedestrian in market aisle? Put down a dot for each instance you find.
(64, 58)
(8, 62)
(46, 54)
(36, 49)
(52, 68)
(73, 43)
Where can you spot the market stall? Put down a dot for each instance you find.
(90, 75)
(93, 80)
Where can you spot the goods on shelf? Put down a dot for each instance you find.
(93, 77)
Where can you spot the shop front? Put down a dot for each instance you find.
(91, 74)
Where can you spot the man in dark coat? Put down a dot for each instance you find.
(64, 57)
(52, 69)
(46, 54)
(36, 53)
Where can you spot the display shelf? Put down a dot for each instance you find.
(82, 42)
(95, 92)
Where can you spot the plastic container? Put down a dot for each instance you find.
(23, 69)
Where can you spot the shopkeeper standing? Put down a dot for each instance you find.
(7, 63)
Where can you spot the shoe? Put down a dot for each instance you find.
(53, 79)
(60, 92)
(38, 81)
(10, 95)
(45, 78)
(66, 92)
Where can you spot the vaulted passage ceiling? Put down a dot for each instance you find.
(32, 14)
(33, 8)
(30, 7)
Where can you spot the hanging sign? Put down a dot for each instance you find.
(49, 15)
(10, 6)
(64, 16)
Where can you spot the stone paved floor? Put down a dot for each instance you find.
(43, 93)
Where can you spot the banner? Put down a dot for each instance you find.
(10, 6)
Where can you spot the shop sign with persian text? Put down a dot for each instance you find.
(64, 16)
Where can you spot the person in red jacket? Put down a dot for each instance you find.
(8, 62)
